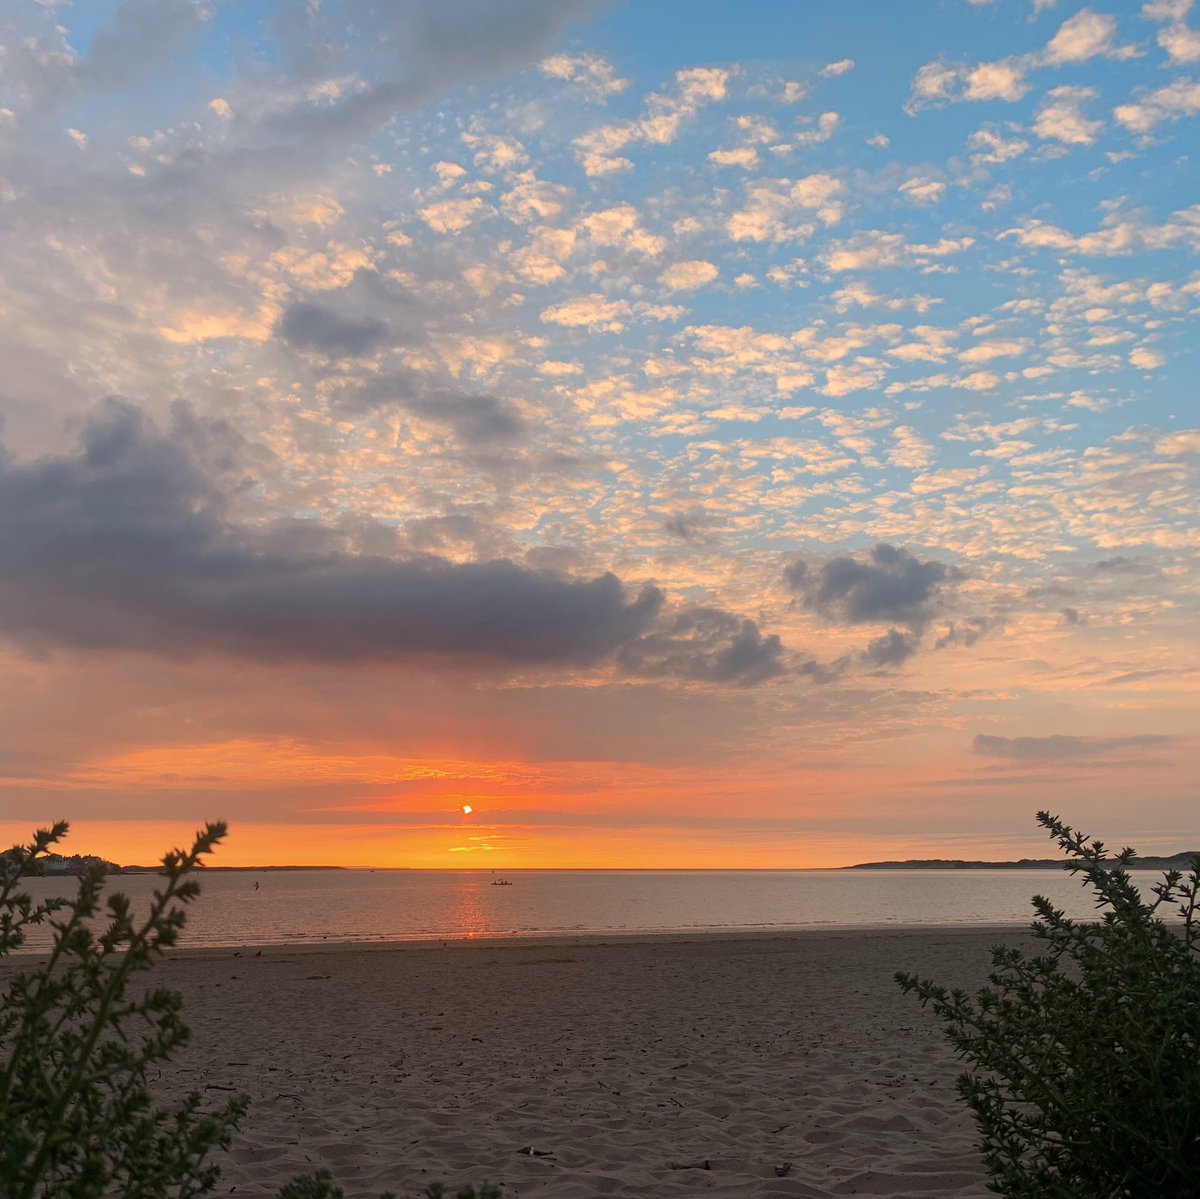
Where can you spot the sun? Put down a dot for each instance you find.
(467, 809)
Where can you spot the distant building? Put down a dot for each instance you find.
(56, 864)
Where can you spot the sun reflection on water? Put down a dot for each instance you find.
(468, 914)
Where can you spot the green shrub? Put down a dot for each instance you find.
(78, 1119)
(76, 1112)
(1084, 1060)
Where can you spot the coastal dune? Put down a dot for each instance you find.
(766, 1066)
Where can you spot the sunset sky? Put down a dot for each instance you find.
(689, 433)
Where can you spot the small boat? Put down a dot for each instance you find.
(501, 882)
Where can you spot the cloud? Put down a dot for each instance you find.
(690, 524)
(991, 147)
(308, 326)
(874, 249)
(476, 419)
(894, 648)
(140, 38)
(1084, 36)
(1058, 748)
(939, 83)
(831, 70)
(405, 54)
(890, 586)
(1080, 38)
(621, 228)
(1181, 42)
(1183, 441)
(687, 276)
(1178, 99)
(1146, 359)
(451, 216)
(921, 190)
(128, 546)
(827, 125)
(593, 312)
(966, 632)
(593, 74)
(772, 204)
(1120, 234)
(1061, 117)
(706, 645)
(131, 545)
(996, 81)
(742, 156)
(987, 351)
(599, 152)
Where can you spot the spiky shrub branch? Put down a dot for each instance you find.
(77, 1040)
(1084, 1060)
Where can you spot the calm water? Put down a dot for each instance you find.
(359, 905)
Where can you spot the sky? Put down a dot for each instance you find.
(689, 434)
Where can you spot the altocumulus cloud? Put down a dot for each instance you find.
(129, 545)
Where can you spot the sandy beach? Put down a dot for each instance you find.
(786, 1066)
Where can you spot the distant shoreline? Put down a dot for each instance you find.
(1177, 861)
(227, 869)
(61, 866)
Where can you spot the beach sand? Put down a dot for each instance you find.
(787, 1065)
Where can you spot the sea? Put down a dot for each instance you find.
(238, 908)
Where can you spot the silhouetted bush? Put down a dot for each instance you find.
(1084, 1060)
(78, 1119)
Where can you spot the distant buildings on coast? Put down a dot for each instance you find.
(57, 863)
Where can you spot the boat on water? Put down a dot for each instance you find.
(501, 882)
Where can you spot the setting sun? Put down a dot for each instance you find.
(467, 809)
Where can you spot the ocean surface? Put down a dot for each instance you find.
(363, 905)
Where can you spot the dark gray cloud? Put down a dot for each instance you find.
(708, 645)
(1120, 565)
(345, 324)
(308, 326)
(476, 419)
(890, 586)
(1060, 748)
(690, 524)
(1054, 592)
(967, 631)
(1072, 616)
(130, 544)
(894, 648)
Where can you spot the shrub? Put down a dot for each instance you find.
(1084, 1060)
(78, 1119)
(76, 1111)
